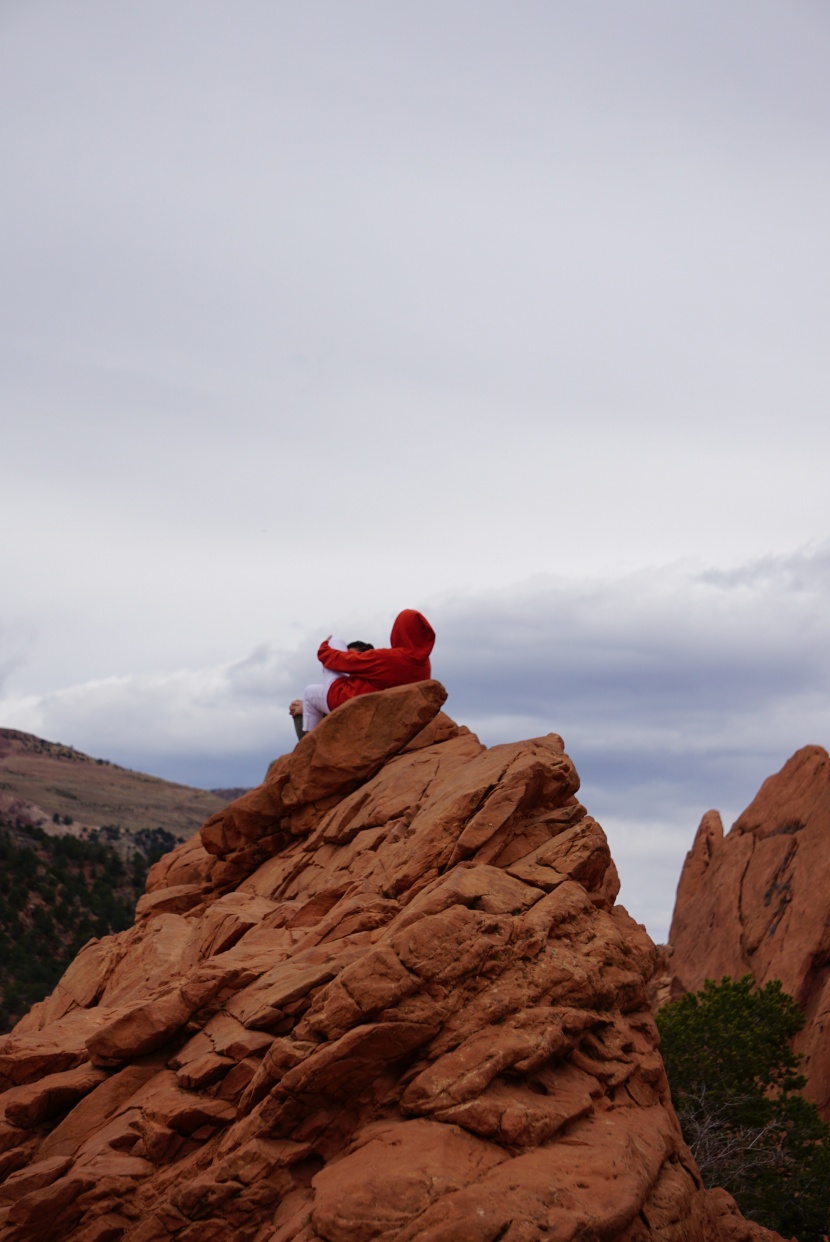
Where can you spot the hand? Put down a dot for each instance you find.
(295, 707)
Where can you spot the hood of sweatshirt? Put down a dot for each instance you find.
(413, 633)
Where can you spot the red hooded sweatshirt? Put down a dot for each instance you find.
(404, 661)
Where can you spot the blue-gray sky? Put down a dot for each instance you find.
(517, 314)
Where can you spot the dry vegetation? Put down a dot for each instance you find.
(40, 780)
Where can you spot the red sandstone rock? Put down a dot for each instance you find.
(758, 901)
(387, 995)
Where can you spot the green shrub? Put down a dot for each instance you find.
(735, 1084)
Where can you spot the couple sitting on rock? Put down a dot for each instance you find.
(356, 668)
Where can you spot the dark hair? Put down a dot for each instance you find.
(359, 646)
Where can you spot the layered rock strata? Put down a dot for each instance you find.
(386, 995)
(758, 901)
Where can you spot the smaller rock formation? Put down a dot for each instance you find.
(387, 995)
(758, 901)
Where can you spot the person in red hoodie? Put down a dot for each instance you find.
(405, 660)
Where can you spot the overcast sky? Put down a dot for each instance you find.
(518, 314)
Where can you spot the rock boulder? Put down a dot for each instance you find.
(757, 901)
(388, 995)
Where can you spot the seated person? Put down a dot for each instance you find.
(312, 707)
(405, 660)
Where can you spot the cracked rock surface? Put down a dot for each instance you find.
(386, 995)
(758, 901)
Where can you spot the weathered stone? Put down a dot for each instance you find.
(353, 743)
(33, 1178)
(227, 920)
(204, 1071)
(81, 985)
(52, 1094)
(175, 900)
(188, 863)
(385, 995)
(256, 814)
(60, 1046)
(756, 902)
(95, 1110)
(150, 954)
(397, 1172)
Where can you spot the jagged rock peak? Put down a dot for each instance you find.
(387, 995)
(758, 901)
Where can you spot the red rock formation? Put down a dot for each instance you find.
(758, 901)
(388, 995)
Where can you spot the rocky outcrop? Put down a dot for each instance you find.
(387, 995)
(758, 901)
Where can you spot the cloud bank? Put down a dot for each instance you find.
(317, 311)
(675, 689)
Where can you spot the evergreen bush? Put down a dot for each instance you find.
(735, 1084)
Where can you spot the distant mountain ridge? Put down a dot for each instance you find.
(63, 791)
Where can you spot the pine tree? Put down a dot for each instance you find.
(735, 1085)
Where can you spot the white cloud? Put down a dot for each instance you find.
(315, 311)
(674, 690)
(220, 716)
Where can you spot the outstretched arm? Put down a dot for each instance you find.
(354, 662)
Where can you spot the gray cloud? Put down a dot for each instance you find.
(675, 690)
(311, 310)
(687, 657)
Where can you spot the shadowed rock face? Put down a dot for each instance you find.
(758, 900)
(388, 995)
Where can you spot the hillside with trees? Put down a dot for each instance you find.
(77, 835)
(56, 893)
